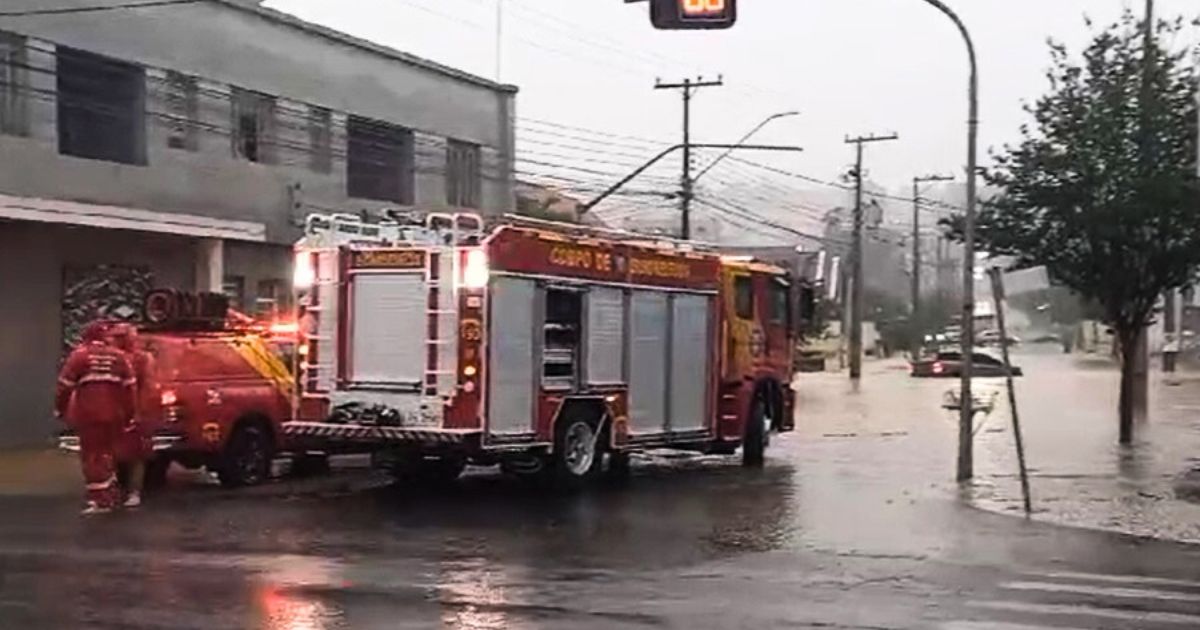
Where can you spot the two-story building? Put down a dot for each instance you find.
(182, 145)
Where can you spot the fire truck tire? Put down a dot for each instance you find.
(757, 434)
(577, 457)
(247, 458)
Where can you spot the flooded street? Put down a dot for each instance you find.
(854, 523)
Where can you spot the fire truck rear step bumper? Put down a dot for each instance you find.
(364, 434)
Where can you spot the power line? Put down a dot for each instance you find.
(927, 205)
(740, 211)
(98, 8)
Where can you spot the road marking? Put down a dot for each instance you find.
(996, 625)
(1150, 616)
(1124, 579)
(1105, 591)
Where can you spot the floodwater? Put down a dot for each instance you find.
(854, 523)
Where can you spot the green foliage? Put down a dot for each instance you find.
(1102, 187)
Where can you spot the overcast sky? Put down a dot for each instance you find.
(851, 66)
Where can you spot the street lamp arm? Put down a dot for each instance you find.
(962, 28)
(654, 160)
(628, 178)
(744, 138)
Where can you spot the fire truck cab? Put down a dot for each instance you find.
(542, 347)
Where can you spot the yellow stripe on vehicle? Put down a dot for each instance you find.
(256, 353)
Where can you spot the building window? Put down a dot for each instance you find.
(320, 139)
(182, 110)
(379, 161)
(234, 287)
(462, 174)
(253, 126)
(101, 108)
(13, 85)
(273, 299)
(743, 297)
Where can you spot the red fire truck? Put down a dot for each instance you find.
(542, 347)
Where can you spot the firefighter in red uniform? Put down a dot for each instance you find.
(135, 447)
(95, 396)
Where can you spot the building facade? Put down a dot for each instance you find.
(183, 145)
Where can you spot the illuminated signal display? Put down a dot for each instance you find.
(693, 14)
(701, 9)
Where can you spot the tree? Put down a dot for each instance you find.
(1102, 187)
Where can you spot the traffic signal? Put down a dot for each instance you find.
(693, 14)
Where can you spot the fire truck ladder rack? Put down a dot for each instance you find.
(437, 229)
(440, 232)
(439, 279)
(624, 236)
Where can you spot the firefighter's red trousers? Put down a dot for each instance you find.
(97, 454)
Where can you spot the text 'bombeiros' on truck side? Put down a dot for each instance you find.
(546, 348)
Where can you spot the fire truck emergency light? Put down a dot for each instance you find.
(693, 14)
(304, 275)
(475, 273)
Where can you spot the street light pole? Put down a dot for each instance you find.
(966, 463)
(746, 137)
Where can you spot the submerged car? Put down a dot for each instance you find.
(950, 364)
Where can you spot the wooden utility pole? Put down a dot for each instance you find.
(856, 254)
(688, 88)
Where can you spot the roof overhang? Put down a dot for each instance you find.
(122, 218)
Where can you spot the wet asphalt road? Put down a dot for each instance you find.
(853, 524)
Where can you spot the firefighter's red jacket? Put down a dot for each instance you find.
(96, 386)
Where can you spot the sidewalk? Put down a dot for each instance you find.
(1079, 475)
(40, 472)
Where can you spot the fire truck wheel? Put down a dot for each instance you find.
(577, 457)
(247, 457)
(758, 434)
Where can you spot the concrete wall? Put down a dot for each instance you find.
(229, 44)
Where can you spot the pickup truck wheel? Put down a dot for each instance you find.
(757, 435)
(247, 458)
(577, 458)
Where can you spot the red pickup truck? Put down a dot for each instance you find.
(224, 388)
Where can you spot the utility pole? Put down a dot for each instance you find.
(1146, 150)
(499, 40)
(688, 87)
(856, 254)
(916, 249)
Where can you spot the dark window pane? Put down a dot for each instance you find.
(380, 161)
(462, 174)
(320, 139)
(780, 303)
(101, 107)
(743, 297)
